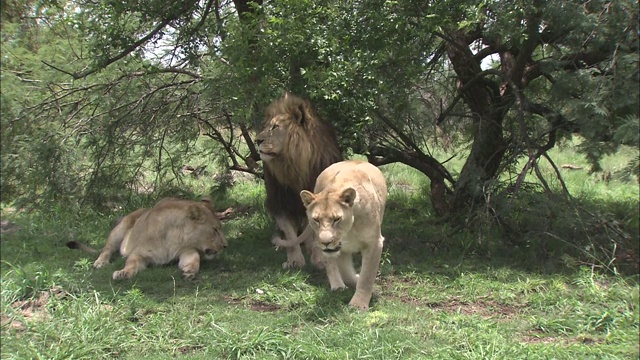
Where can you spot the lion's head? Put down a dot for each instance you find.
(197, 225)
(205, 229)
(330, 216)
(295, 144)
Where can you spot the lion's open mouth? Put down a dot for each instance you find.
(331, 251)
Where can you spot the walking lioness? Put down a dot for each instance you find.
(346, 214)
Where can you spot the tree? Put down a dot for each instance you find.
(509, 78)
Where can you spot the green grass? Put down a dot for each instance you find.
(439, 294)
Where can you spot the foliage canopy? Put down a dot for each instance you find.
(96, 95)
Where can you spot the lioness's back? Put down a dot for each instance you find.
(354, 172)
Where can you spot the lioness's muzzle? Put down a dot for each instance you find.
(332, 251)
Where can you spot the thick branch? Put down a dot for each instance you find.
(423, 163)
(528, 47)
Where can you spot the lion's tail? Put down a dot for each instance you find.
(279, 242)
(80, 246)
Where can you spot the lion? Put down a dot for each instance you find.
(346, 214)
(174, 229)
(295, 146)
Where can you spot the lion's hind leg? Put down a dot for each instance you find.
(189, 263)
(135, 263)
(116, 236)
(113, 245)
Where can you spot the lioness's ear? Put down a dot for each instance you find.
(307, 197)
(194, 212)
(348, 196)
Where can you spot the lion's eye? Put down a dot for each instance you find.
(337, 219)
(274, 127)
(316, 220)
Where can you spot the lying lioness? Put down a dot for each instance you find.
(173, 229)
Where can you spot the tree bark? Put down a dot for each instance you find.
(488, 103)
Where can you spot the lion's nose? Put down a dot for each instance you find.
(325, 237)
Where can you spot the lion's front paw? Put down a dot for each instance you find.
(318, 259)
(295, 259)
(121, 275)
(189, 275)
(100, 263)
(359, 304)
(293, 264)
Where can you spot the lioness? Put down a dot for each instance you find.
(173, 229)
(346, 214)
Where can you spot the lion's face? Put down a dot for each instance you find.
(330, 216)
(271, 141)
(206, 234)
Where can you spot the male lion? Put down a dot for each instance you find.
(346, 214)
(173, 229)
(295, 146)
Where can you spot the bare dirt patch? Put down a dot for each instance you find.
(261, 306)
(8, 227)
(255, 305)
(481, 307)
(189, 350)
(33, 309)
(538, 337)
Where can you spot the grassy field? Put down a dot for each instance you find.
(440, 294)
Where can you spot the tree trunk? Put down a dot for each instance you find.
(488, 103)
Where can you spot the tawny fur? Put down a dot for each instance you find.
(346, 215)
(295, 146)
(173, 229)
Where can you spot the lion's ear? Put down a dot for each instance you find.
(206, 201)
(298, 114)
(307, 197)
(348, 197)
(194, 212)
(295, 108)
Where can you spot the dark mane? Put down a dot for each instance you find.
(312, 146)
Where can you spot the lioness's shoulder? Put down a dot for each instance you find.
(201, 210)
(352, 172)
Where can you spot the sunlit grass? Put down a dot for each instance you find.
(437, 295)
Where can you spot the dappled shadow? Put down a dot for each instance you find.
(416, 243)
(543, 234)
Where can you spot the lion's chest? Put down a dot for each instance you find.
(351, 245)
